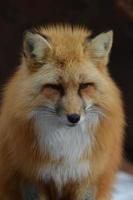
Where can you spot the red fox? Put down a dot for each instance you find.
(62, 120)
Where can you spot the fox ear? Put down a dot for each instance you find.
(101, 45)
(35, 46)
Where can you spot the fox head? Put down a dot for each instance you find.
(64, 74)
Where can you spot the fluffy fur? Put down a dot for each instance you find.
(63, 72)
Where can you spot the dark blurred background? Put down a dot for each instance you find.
(99, 15)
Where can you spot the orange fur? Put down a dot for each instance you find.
(69, 62)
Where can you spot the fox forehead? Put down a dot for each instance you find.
(67, 43)
(73, 73)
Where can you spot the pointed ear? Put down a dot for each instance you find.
(101, 45)
(35, 46)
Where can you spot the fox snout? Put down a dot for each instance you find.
(70, 117)
(72, 107)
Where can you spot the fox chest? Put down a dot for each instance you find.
(67, 144)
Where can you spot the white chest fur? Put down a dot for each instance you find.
(63, 143)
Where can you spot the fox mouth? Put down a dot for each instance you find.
(72, 124)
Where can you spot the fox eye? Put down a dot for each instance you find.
(57, 87)
(85, 85)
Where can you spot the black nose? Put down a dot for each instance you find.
(73, 118)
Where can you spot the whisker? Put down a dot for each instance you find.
(47, 109)
(95, 112)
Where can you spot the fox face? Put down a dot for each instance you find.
(66, 74)
(69, 101)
